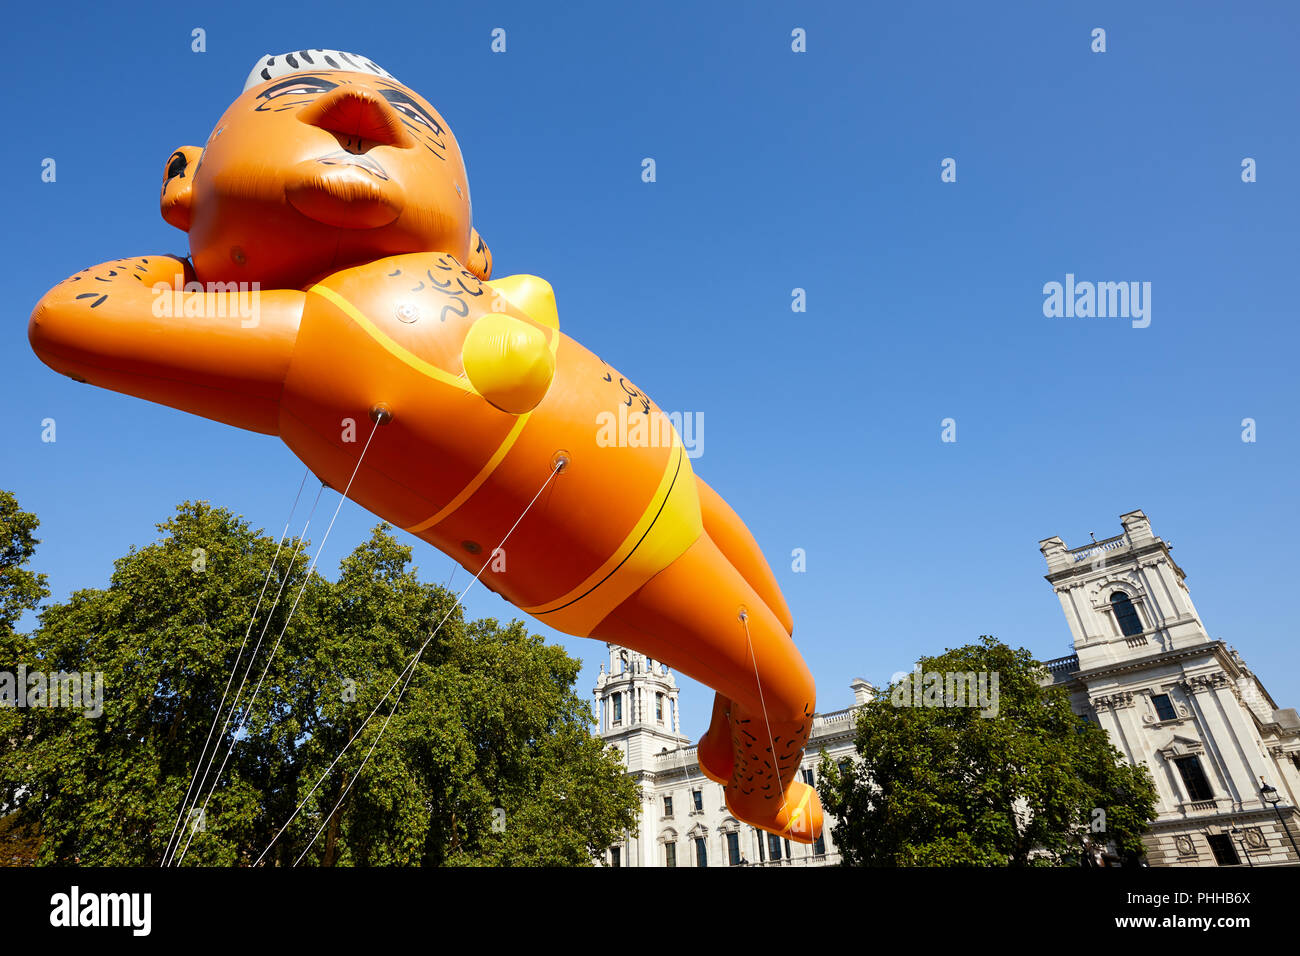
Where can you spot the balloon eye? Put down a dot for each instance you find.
(413, 114)
(411, 110)
(300, 89)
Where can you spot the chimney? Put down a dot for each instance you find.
(862, 691)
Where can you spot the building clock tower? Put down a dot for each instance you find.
(636, 708)
(636, 702)
(684, 820)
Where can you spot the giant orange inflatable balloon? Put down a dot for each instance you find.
(336, 275)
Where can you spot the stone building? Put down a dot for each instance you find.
(684, 819)
(1177, 700)
(1225, 758)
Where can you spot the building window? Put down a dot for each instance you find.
(1225, 854)
(670, 853)
(698, 797)
(1164, 707)
(774, 846)
(668, 806)
(659, 708)
(618, 708)
(733, 848)
(819, 848)
(1198, 787)
(615, 856)
(808, 776)
(762, 855)
(1125, 614)
(701, 852)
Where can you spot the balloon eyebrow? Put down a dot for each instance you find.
(296, 79)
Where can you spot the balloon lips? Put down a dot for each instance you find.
(344, 191)
(337, 279)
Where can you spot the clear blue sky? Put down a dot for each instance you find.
(775, 171)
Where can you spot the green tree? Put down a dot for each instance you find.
(21, 590)
(490, 719)
(959, 786)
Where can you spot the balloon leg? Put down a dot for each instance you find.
(688, 616)
(737, 544)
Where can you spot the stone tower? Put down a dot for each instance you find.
(1177, 700)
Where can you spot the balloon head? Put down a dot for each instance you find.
(323, 162)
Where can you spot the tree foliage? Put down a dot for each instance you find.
(21, 590)
(948, 786)
(490, 721)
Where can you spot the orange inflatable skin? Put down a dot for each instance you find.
(343, 196)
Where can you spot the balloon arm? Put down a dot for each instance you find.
(141, 326)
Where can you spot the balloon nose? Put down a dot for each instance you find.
(356, 111)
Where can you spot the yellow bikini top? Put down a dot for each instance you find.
(509, 362)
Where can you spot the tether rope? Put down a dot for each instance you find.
(776, 765)
(271, 657)
(248, 668)
(409, 672)
(216, 716)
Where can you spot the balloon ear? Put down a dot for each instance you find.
(178, 186)
(480, 256)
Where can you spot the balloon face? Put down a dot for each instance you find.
(312, 172)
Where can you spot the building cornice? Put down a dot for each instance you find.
(1180, 823)
(1212, 647)
(1132, 552)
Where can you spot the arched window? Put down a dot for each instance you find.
(1125, 614)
